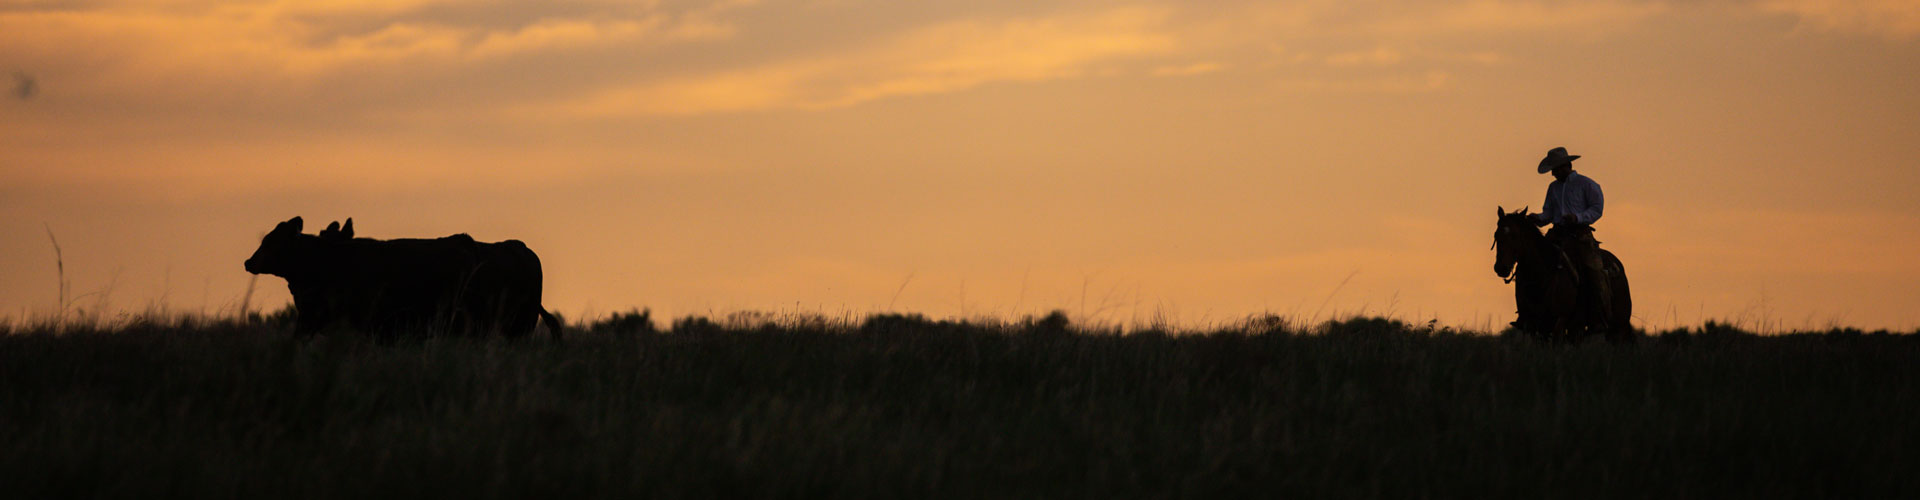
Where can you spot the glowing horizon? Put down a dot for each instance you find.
(1195, 161)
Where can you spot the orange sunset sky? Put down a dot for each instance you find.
(1196, 161)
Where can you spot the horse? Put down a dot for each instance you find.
(1546, 288)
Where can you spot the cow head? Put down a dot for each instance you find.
(282, 250)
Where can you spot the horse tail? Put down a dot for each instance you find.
(1622, 295)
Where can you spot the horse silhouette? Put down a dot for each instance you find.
(1546, 284)
(451, 285)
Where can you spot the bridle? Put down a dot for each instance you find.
(1565, 261)
(1496, 246)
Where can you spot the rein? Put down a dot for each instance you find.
(1540, 246)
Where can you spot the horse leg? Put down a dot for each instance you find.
(1538, 327)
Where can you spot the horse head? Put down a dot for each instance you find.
(1510, 235)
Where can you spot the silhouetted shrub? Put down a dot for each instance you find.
(1674, 337)
(1267, 324)
(696, 325)
(1054, 323)
(282, 318)
(892, 323)
(632, 322)
(1366, 327)
(1715, 329)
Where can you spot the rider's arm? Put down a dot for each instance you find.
(1544, 217)
(1595, 203)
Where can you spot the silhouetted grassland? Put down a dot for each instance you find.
(902, 407)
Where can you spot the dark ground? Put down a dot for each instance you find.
(904, 408)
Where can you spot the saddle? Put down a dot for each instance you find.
(1564, 234)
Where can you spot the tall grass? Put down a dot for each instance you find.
(900, 406)
(60, 270)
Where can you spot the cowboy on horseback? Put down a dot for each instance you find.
(1573, 204)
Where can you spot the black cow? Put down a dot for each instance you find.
(452, 285)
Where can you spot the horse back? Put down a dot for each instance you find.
(1612, 263)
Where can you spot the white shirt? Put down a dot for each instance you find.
(1577, 195)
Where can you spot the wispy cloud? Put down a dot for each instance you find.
(689, 57)
(1199, 68)
(302, 40)
(1381, 56)
(1411, 83)
(1893, 19)
(1421, 18)
(942, 58)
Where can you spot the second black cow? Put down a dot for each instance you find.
(442, 286)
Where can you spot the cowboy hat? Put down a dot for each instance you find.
(1556, 157)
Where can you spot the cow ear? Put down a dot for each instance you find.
(347, 230)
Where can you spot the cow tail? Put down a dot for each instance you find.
(553, 324)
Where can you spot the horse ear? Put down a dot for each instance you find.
(1500, 211)
(347, 230)
(294, 223)
(1525, 208)
(331, 227)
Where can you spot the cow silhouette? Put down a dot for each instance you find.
(441, 286)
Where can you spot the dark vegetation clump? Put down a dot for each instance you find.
(913, 324)
(634, 322)
(1053, 324)
(902, 406)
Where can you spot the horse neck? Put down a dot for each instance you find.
(1534, 250)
